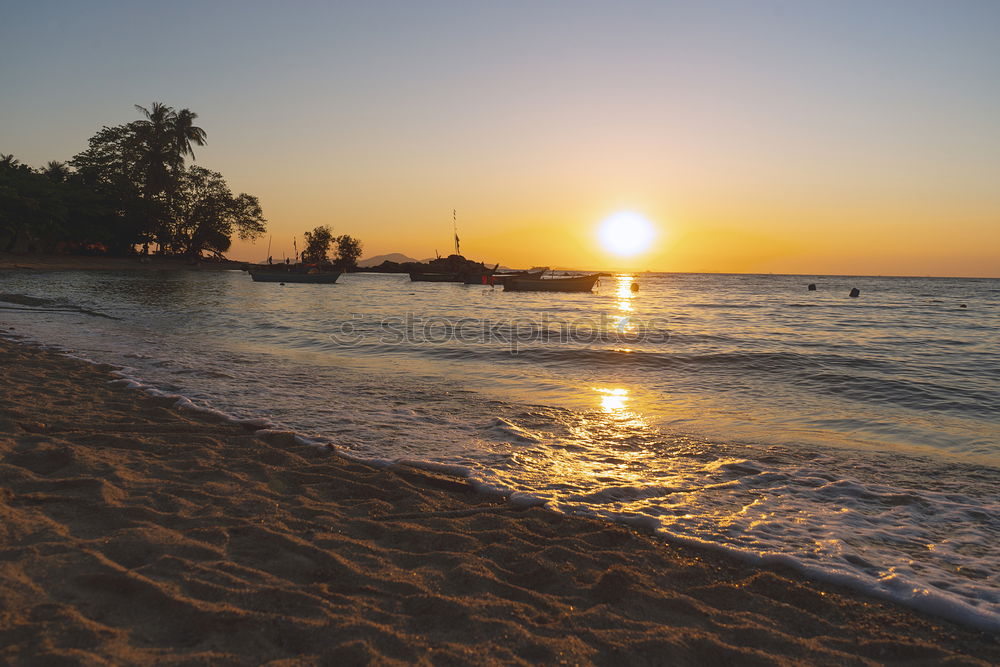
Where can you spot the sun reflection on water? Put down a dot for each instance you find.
(625, 296)
(613, 400)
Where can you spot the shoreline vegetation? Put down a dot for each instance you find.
(131, 196)
(136, 531)
(66, 262)
(58, 262)
(130, 192)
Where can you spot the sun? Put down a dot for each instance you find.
(626, 233)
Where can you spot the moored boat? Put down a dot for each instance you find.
(489, 278)
(435, 277)
(315, 277)
(293, 273)
(572, 284)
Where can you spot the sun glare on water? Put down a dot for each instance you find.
(626, 233)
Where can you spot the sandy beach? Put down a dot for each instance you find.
(136, 532)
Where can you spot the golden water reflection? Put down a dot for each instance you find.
(624, 293)
(610, 445)
(620, 415)
(613, 400)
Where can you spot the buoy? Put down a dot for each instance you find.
(812, 287)
(855, 293)
(635, 287)
(962, 306)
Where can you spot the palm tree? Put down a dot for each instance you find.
(159, 163)
(186, 133)
(155, 135)
(56, 171)
(165, 137)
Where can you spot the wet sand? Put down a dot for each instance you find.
(134, 532)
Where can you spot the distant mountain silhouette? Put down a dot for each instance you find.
(397, 257)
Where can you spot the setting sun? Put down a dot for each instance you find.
(626, 233)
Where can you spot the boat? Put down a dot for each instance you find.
(452, 269)
(315, 277)
(435, 277)
(572, 284)
(490, 278)
(293, 273)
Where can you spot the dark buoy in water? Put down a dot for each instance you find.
(855, 293)
(282, 284)
(963, 306)
(635, 287)
(812, 287)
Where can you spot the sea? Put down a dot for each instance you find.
(856, 440)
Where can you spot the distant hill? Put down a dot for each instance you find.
(397, 257)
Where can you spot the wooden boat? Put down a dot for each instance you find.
(435, 277)
(501, 278)
(317, 274)
(320, 277)
(572, 284)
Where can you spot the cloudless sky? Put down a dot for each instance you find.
(812, 137)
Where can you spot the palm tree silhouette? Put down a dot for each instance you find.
(155, 135)
(186, 133)
(165, 138)
(56, 171)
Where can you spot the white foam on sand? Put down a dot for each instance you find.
(831, 530)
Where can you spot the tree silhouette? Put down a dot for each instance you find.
(33, 211)
(165, 138)
(112, 167)
(156, 136)
(56, 171)
(185, 133)
(206, 214)
(348, 251)
(129, 188)
(318, 242)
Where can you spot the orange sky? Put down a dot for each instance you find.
(803, 137)
(847, 226)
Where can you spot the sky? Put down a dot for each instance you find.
(811, 137)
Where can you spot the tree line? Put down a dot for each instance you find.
(130, 191)
(320, 241)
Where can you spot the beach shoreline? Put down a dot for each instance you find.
(136, 531)
(55, 262)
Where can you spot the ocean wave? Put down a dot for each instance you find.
(47, 305)
(625, 356)
(507, 429)
(910, 393)
(853, 377)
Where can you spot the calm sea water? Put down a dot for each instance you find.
(855, 439)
